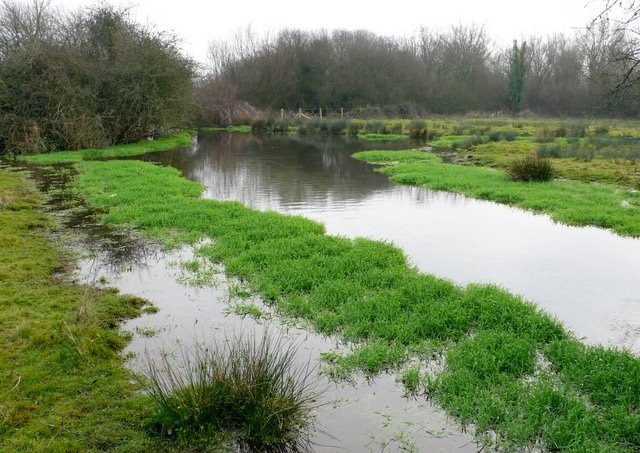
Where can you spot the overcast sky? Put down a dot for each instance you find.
(197, 22)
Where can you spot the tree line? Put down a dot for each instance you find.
(459, 70)
(86, 79)
(94, 78)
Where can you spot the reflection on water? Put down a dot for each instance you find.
(587, 277)
(366, 415)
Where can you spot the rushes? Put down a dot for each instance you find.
(245, 385)
(531, 168)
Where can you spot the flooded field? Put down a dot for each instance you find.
(586, 277)
(589, 278)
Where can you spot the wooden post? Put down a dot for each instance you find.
(341, 112)
(282, 113)
(320, 112)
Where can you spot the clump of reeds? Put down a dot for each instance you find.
(247, 386)
(531, 168)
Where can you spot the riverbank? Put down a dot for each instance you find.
(63, 386)
(507, 367)
(574, 203)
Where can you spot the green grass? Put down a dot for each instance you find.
(63, 386)
(250, 387)
(374, 136)
(245, 128)
(131, 149)
(571, 202)
(508, 367)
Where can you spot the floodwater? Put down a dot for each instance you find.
(362, 414)
(588, 278)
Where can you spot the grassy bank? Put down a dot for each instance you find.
(131, 149)
(507, 367)
(571, 202)
(581, 149)
(62, 383)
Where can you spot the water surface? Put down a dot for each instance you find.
(589, 278)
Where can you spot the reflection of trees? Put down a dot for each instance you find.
(269, 171)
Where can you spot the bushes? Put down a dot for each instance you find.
(531, 168)
(100, 80)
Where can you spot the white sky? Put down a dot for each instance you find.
(197, 22)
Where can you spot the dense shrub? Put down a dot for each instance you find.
(261, 126)
(338, 127)
(549, 151)
(87, 80)
(531, 168)
(375, 127)
(354, 127)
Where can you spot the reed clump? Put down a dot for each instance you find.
(245, 385)
(531, 168)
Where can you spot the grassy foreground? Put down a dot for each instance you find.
(571, 202)
(508, 368)
(62, 383)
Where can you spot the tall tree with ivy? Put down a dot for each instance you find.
(517, 75)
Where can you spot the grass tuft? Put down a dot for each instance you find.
(531, 168)
(245, 385)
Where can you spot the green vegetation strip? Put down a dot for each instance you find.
(62, 383)
(570, 202)
(131, 149)
(509, 368)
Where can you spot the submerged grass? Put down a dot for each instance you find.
(62, 383)
(571, 202)
(508, 367)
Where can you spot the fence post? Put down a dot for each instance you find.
(341, 112)
(282, 113)
(320, 112)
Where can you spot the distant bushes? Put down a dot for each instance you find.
(544, 135)
(531, 168)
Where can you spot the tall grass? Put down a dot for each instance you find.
(531, 168)
(246, 385)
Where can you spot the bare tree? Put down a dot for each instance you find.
(621, 18)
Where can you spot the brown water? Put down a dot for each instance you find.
(589, 278)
